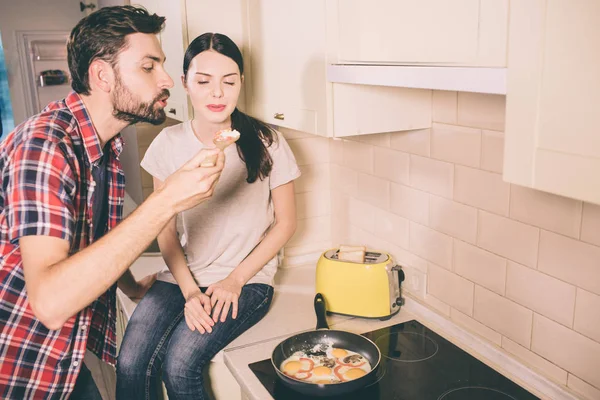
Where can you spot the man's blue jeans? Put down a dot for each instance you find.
(85, 387)
(158, 342)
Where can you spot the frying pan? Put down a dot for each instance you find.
(307, 341)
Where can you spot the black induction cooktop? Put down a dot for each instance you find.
(416, 364)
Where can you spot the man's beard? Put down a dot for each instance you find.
(126, 107)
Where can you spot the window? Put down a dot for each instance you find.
(7, 123)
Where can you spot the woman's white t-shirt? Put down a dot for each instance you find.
(223, 230)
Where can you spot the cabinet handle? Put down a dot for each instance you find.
(279, 116)
(172, 111)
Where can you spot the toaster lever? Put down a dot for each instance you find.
(401, 276)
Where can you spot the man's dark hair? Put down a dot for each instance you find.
(102, 35)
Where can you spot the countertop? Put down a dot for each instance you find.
(292, 312)
(238, 358)
(242, 353)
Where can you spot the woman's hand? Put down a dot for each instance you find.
(224, 295)
(197, 312)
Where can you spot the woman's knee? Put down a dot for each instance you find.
(135, 358)
(183, 362)
(129, 363)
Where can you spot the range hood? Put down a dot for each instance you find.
(463, 79)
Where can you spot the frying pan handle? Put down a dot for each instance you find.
(321, 312)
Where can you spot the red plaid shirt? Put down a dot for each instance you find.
(47, 189)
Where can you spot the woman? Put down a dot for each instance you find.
(218, 284)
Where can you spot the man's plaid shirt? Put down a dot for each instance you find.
(47, 189)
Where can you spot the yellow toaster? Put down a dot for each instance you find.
(369, 289)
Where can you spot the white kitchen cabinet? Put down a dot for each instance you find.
(552, 128)
(364, 109)
(289, 48)
(174, 41)
(226, 17)
(457, 32)
(288, 59)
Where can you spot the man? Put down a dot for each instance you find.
(61, 198)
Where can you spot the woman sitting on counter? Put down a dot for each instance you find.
(219, 282)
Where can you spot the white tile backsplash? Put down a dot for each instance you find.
(570, 260)
(413, 142)
(541, 293)
(392, 227)
(456, 144)
(481, 189)
(508, 238)
(409, 203)
(555, 213)
(361, 214)
(590, 225)
(391, 165)
(379, 139)
(476, 327)
(518, 267)
(480, 266)
(587, 310)
(358, 156)
(555, 373)
(483, 111)
(313, 204)
(314, 178)
(431, 245)
(374, 190)
(583, 388)
(311, 230)
(503, 315)
(451, 289)
(576, 353)
(344, 180)
(454, 219)
(311, 150)
(432, 176)
(492, 151)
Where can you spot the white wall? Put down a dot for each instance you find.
(22, 15)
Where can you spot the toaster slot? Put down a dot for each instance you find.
(371, 257)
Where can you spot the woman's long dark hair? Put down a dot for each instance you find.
(255, 135)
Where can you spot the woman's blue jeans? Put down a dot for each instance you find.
(158, 342)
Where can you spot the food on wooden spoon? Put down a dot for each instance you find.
(222, 139)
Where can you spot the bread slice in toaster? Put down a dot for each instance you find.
(346, 248)
(353, 256)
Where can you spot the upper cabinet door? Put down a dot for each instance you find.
(462, 32)
(288, 63)
(173, 39)
(289, 46)
(552, 128)
(266, 56)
